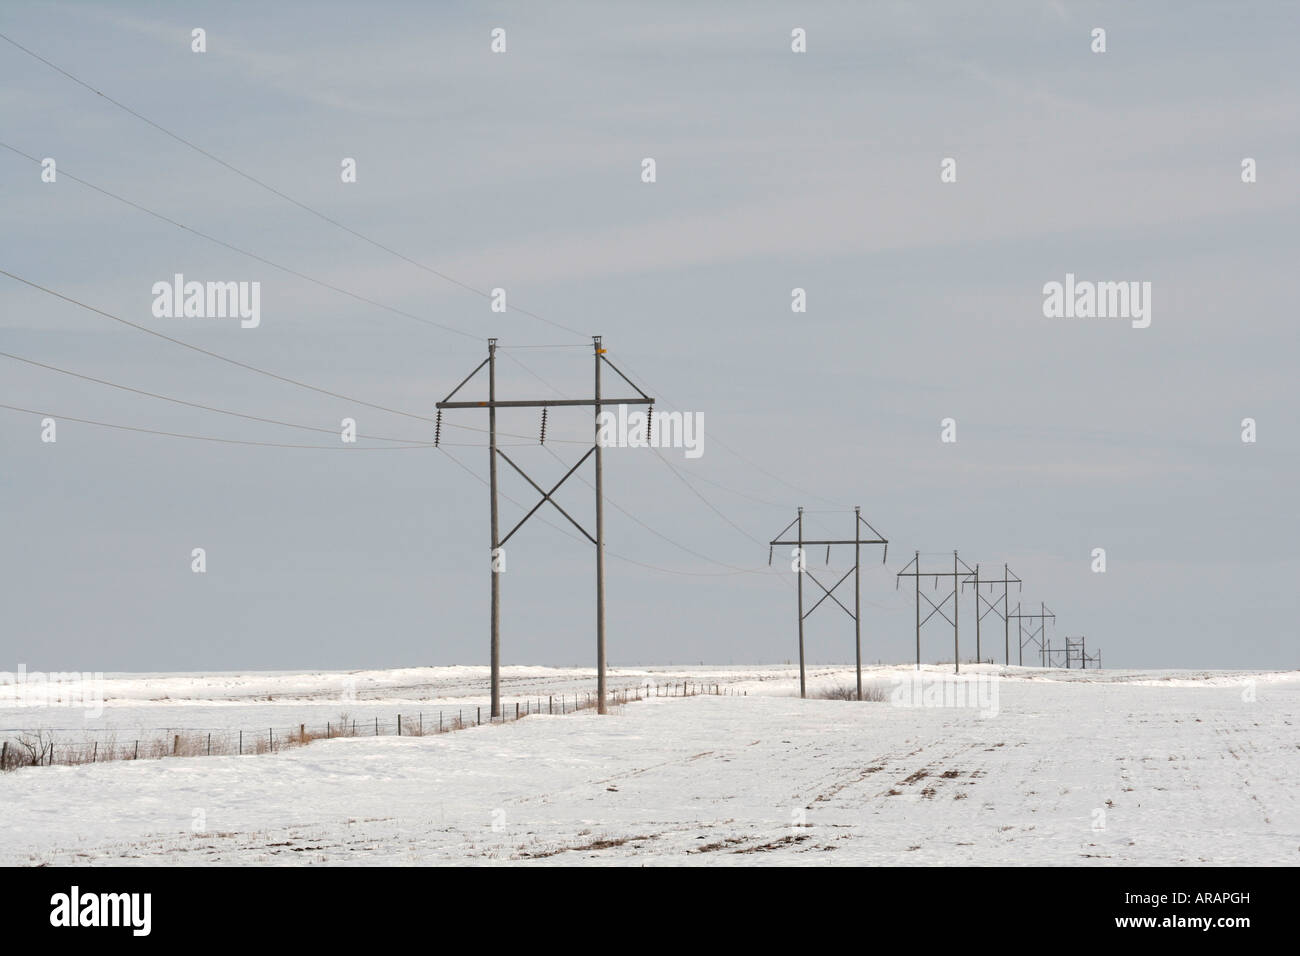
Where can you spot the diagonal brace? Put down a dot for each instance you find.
(828, 594)
(546, 495)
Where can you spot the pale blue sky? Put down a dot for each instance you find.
(775, 170)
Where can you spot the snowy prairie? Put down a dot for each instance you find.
(1055, 767)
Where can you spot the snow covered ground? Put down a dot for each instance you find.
(1055, 767)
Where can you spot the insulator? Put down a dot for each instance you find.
(769, 556)
(437, 429)
(650, 424)
(543, 439)
(828, 554)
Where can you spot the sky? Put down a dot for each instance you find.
(523, 170)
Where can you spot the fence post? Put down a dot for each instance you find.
(241, 745)
(327, 730)
(550, 704)
(209, 744)
(421, 723)
(94, 754)
(270, 737)
(376, 726)
(137, 751)
(478, 720)
(516, 710)
(176, 744)
(4, 754)
(399, 725)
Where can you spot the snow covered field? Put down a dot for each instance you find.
(1110, 767)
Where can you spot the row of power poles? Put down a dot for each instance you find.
(961, 576)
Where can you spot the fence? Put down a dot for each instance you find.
(40, 748)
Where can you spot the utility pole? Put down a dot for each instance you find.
(1038, 635)
(801, 568)
(803, 691)
(496, 528)
(600, 536)
(1006, 580)
(598, 401)
(956, 607)
(955, 574)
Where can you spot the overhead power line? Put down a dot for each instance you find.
(224, 441)
(273, 190)
(236, 362)
(245, 252)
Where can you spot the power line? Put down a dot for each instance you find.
(245, 252)
(208, 352)
(236, 362)
(737, 454)
(224, 441)
(271, 189)
(208, 408)
(277, 192)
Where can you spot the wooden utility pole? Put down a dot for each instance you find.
(600, 541)
(1006, 581)
(801, 569)
(496, 529)
(955, 574)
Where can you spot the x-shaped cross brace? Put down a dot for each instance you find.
(546, 495)
(828, 594)
(937, 608)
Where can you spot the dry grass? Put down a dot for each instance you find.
(870, 692)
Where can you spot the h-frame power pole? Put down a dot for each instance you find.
(955, 574)
(801, 568)
(1006, 581)
(1038, 635)
(492, 404)
(1076, 650)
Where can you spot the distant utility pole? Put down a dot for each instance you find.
(955, 574)
(1075, 651)
(597, 402)
(801, 568)
(1037, 635)
(1006, 580)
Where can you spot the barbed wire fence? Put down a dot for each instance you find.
(43, 748)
